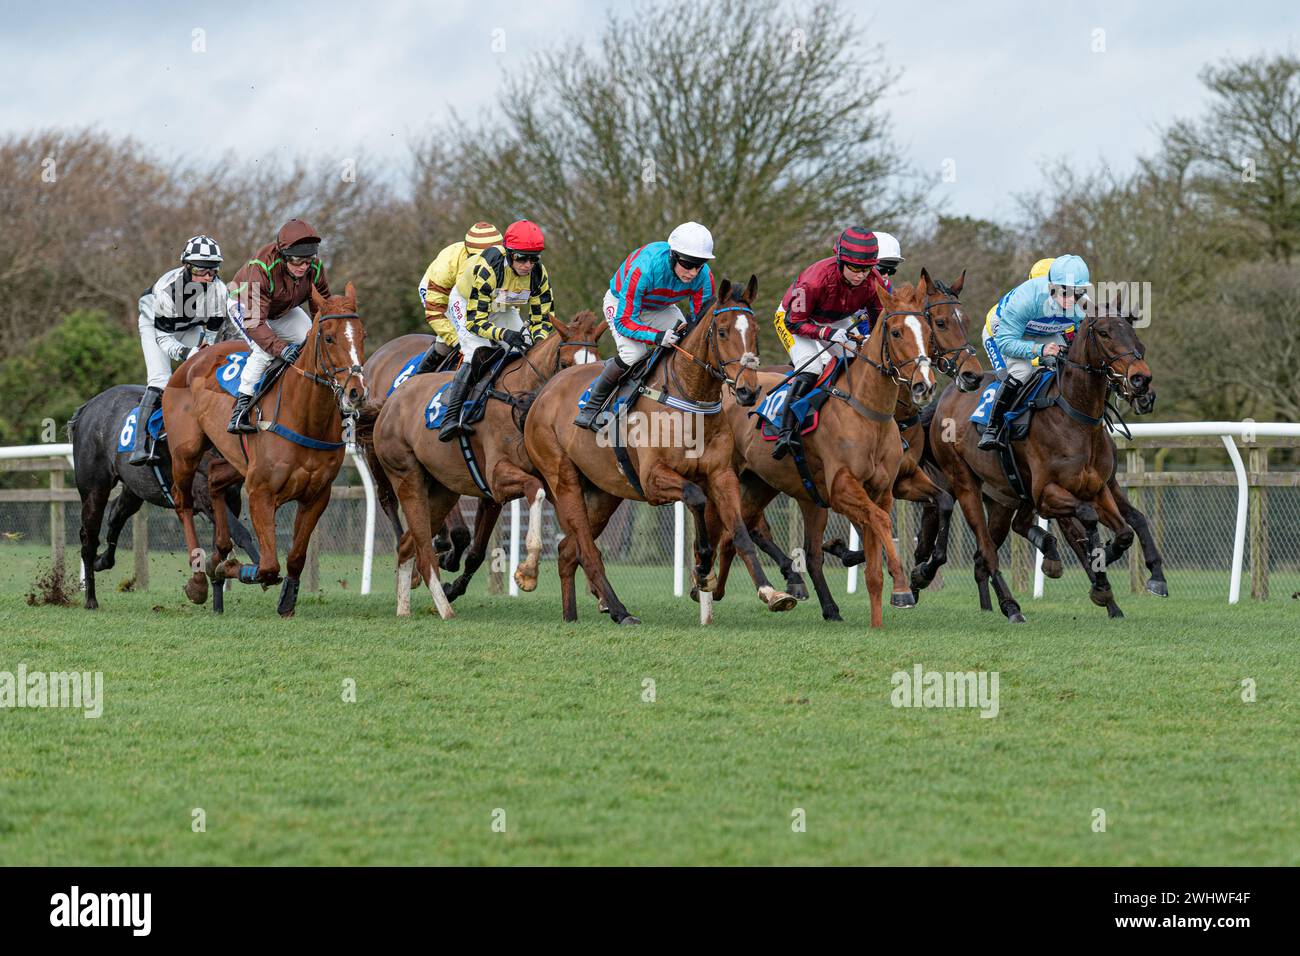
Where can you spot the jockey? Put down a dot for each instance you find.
(179, 314)
(823, 305)
(1029, 324)
(267, 308)
(485, 304)
(640, 304)
(439, 279)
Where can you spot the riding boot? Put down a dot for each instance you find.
(240, 416)
(1008, 391)
(144, 452)
(600, 392)
(451, 427)
(432, 358)
(800, 386)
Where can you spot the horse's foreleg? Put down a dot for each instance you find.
(1056, 500)
(511, 481)
(452, 539)
(261, 510)
(119, 512)
(850, 499)
(724, 489)
(965, 488)
(1151, 556)
(571, 511)
(761, 532)
(184, 467)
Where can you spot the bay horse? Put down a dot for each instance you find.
(693, 465)
(384, 368)
(429, 476)
(96, 433)
(948, 346)
(295, 455)
(855, 454)
(1067, 461)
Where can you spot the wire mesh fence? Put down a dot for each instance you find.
(1191, 508)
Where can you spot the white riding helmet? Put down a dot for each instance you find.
(202, 251)
(692, 240)
(889, 247)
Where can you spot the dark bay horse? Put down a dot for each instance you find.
(295, 455)
(430, 476)
(1067, 461)
(675, 452)
(95, 431)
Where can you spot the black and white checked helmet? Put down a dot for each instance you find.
(202, 251)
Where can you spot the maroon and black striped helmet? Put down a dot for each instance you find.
(857, 247)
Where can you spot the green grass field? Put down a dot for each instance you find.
(507, 708)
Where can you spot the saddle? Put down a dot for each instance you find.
(229, 372)
(157, 433)
(1034, 396)
(773, 409)
(629, 384)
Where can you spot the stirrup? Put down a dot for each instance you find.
(990, 439)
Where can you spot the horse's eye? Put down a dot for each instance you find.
(941, 325)
(896, 334)
(329, 340)
(1104, 335)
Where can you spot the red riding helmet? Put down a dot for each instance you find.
(857, 247)
(524, 236)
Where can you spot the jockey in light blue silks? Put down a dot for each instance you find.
(1030, 323)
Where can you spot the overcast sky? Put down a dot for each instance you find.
(997, 86)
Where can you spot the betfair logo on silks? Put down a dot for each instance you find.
(75, 908)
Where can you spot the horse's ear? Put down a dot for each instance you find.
(961, 281)
(600, 330)
(751, 290)
(317, 300)
(561, 328)
(925, 280)
(724, 288)
(350, 293)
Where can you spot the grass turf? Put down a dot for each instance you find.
(506, 708)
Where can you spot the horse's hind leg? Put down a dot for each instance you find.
(724, 489)
(93, 502)
(761, 532)
(452, 540)
(966, 489)
(814, 527)
(484, 521)
(570, 508)
(120, 511)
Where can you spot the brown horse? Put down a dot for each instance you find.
(429, 476)
(949, 348)
(855, 454)
(384, 367)
(301, 408)
(1067, 461)
(688, 459)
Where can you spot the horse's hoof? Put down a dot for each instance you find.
(92, 604)
(629, 620)
(104, 562)
(916, 595)
(1101, 598)
(709, 583)
(695, 594)
(525, 583)
(918, 579)
(782, 602)
(288, 597)
(797, 589)
(902, 599)
(1052, 569)
(196, 589)
(1114, 613)
(1015, 617)
(1158, 588)
(832, 615)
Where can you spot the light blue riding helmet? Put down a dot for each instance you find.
(1068, 271)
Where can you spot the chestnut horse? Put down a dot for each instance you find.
(855, 454)
(948, 346)
(430, 476)
(693, 465)
(581, 339)
(301, 409)
(1067, 461)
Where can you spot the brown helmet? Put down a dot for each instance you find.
(297, 238)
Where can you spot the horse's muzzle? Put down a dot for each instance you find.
(921, 392)
(968, 381)
(1145, 403)
(746, 397)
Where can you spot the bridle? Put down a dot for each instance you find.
(887, 366)
(943, 358)
(326, 375)
(712, 349)
(1116, 381)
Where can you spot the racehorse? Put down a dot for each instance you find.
(295, 455)
(854, 455)
(948, 346)
(394, 362)
(689, 459)
(1067, 461)
(101, 443)
(429, 476)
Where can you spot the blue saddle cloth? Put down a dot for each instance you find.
(229, 371)
(773, 409)
(435, 411)
(407, 371)
(1026, 400)
(126, 434)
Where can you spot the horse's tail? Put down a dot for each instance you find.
(72, 422)
(364, 429)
